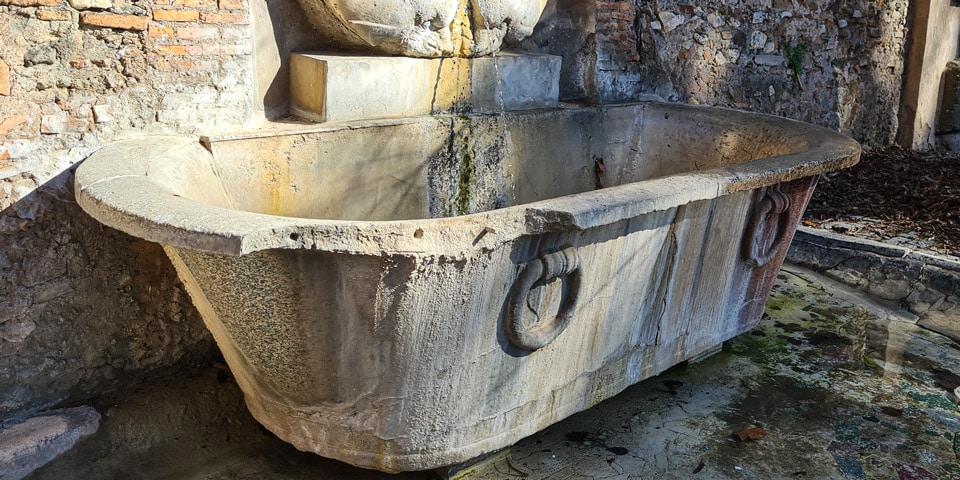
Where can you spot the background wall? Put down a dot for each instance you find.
(934, 30)
(836, 64)
(84, 309)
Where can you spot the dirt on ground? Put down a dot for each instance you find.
(896, 196)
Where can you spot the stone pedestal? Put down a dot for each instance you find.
(333, 88)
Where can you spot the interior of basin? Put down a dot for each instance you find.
(442, 166)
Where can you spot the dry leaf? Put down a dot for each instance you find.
(750, 434)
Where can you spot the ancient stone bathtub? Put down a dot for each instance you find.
(406, 294)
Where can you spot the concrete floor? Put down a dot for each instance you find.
(831, 385)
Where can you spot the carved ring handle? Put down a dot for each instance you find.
(546, 268)
(774, 205)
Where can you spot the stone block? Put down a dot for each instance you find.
(54, 15)
(948, 121)
(670, 21)
(103, 113)
(40, 55)
(757, 40)
(54, 123)
(31, 443)
(7, 171)
(87, 4)
(339, 87)
(769, 60)
(30, 3)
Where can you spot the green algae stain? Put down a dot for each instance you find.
(871, 363)
(465, 185)
(932, 400)
(766, 352)
(847, 432)
(465, 178)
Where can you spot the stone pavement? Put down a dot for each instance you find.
(831, 385)
(897, 270)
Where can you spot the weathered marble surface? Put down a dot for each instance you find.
(356, 275)
(324, 88)
(425, 28)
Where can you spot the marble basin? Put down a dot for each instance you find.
(411, 293)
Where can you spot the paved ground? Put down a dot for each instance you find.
(832, 385)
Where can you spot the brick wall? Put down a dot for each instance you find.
(75, 74)
(618, 53)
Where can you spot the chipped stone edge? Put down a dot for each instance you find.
(28, 444)
(924, 283)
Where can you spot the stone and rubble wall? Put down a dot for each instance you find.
(84, 308)
(836, 64)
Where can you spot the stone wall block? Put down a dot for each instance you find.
(54, 123)
(770, 60)
(54, 15)
(102, 113)
(30, 3)
(40, 55)
(87, 4)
